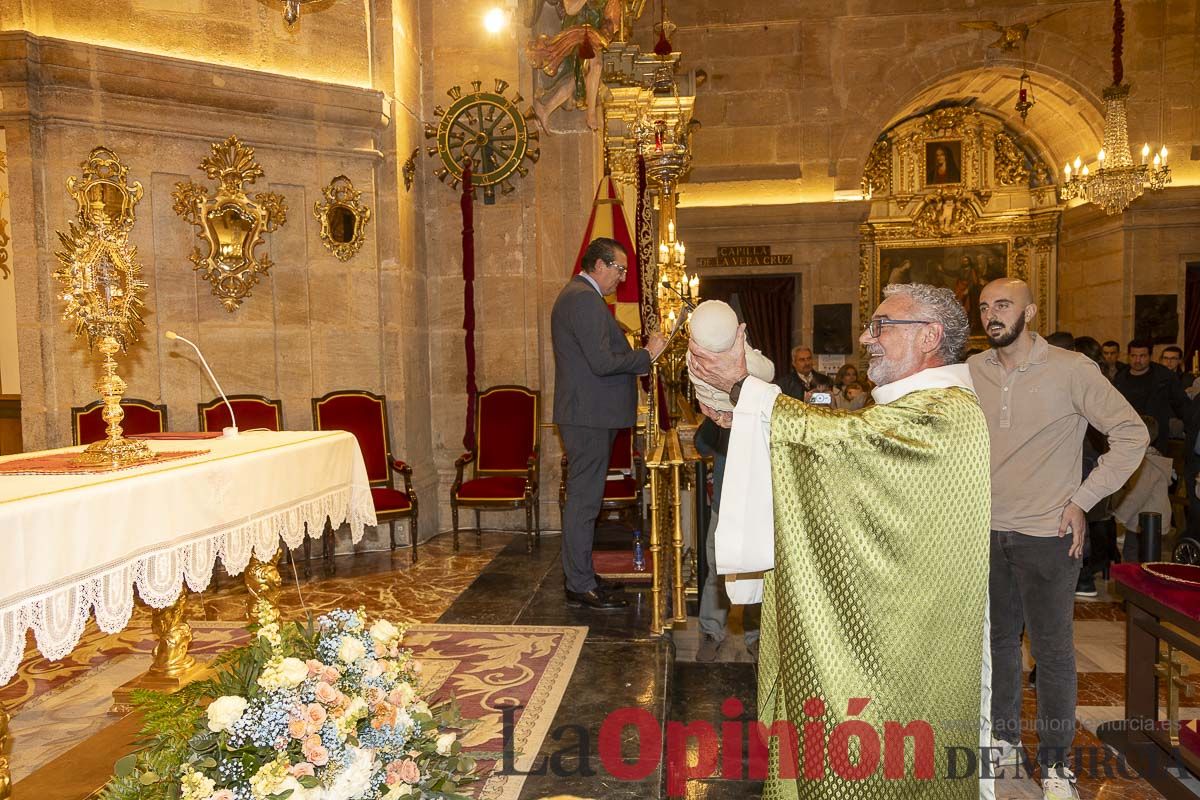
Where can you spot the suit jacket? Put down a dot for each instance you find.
(1164, 399)
(595, 369)
(794, 386)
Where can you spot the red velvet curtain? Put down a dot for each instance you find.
(766, 308)
(1191, 314)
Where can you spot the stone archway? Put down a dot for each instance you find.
(1066, 120)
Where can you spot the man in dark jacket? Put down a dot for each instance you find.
(595, 395)
(1152, 390)
(802, 375)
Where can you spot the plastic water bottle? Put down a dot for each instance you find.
(639, 555)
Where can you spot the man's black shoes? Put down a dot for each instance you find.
(596, 599)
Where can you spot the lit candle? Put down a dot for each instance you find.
(694, 283)
(1164, 154)
(670, 231)
(682, 250)
(1067, 170)
(1085, 170)
(1145, 152)
(1157, 161)
(1100, 156)
(1077, 163)
(664, 253)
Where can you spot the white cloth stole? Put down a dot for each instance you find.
(746, 525)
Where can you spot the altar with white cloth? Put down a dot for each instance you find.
(77, 545)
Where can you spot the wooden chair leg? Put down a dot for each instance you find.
(529, 526)
(412, 534)
(454, 519)
(392, 533)
(537, 521)
(478, 529)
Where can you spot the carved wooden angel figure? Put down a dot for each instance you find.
(572, 57)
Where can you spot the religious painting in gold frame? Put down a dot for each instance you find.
(343, 218)
(230, 225)
(943, 162)
(962, 268)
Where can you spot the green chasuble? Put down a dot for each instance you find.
(879, 592)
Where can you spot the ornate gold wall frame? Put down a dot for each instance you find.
(989, 212)
(230, 224)
(343, 218)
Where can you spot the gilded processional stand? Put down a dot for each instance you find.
(648, 116)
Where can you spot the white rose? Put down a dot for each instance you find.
(293, 671)
(224, 711)
(351, 650)
(421, 707)
(404, 693)
(384, 632)
(444, 742)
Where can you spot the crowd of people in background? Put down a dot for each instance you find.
(1158, 386)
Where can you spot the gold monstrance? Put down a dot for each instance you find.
(102, 289)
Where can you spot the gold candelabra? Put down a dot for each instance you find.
(103, 289)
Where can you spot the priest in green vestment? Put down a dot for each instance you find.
(866, 535)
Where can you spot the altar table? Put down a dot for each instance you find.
(1162, 622)
(73, 546)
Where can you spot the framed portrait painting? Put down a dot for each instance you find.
(964, 269)
(943, 162)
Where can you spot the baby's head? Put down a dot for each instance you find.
(714, 326)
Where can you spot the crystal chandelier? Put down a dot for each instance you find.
(1117, 181)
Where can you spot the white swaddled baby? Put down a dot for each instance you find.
(714, 327)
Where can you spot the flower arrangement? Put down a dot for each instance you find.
(327, 711)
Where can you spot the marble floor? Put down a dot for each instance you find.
(495, 581)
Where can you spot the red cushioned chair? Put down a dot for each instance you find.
(141, 416)
(253, 412)
(505, 459)
(626, 477)
(365, 415)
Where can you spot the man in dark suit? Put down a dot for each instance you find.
(1152, 390)
(800, 380)
(595, 395)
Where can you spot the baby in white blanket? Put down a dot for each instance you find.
(714, 327)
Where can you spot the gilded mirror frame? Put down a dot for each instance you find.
(103, 193)
(341, 194)
(229, 260)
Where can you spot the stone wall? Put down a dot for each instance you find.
(822, 239)
(525, 246)
(1106, 261)
(313, 325)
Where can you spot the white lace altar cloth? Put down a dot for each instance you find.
(76, 545)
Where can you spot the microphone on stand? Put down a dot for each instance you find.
(232, 430)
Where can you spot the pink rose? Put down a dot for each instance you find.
(222, 794)
(316, 715)
(408, 771)
(298, 728)
(327, 694)
(301, 770)
(315, 752)
(314, 667)
(330, 674)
